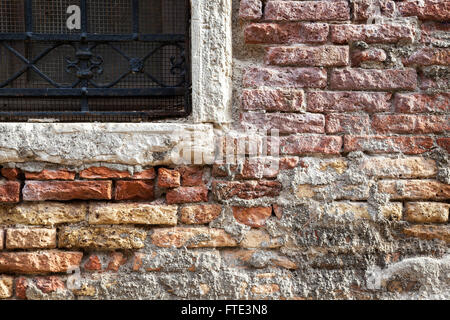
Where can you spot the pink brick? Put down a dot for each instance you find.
(273, 99)
(407, 123)
(326, 56)
(421, 103)
(425, 9)
(300, 145)
(307, 10)
(388, 144)
(284, 122)
(285, 77)
(250, 9)
(330, 101)
(345, 123)
(363, 79)
(259, 33)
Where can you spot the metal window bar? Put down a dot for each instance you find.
(126, 63)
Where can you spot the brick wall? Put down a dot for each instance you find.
(362, 187)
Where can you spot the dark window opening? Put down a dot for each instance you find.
(113, 60)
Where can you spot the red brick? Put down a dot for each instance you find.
(255, 217)
(278, 211)
(444, 143)
(50, 175)
(103, 173)
(49, 284)
(326, 56)
(9, 191)
(300, 145)
(425, 9)
(39, 262)
(134, 190)
(260, 33)
(251, 168)
(117, 260)
(364, 9)
(67, 190)
(380, 33)
(411, 123)
(273, 99)
(344, 123)
(93, 264)
(168, 178)
(284, 122)
(250, 9)
(10, 173)
(191, 176)
(388, 144)
(328, 102)
(428, 57)
(363, 79)
(371, 55)
(200, 214)
(1, 238)
(21, 285)
(224, 190)
(148, 174)
(285, 77)
(187, 195)
(307, 10)
(421, 103)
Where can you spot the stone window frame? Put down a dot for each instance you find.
(84, 144)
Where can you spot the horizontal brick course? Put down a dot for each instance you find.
(284, 122)
(9, 191)
(273, 33)
(187, 195)
(411, 123)
(324, 56)
(307, 10)
(363, 79)
(300, 145)
(285, 77)
(415, 189)
(380, 33)
(388, 144)
(50, 175)
(31, 238)
(67, 190)
(101, 238)
(425, 9)
(132, 213)
(273, 99)
(421, 103)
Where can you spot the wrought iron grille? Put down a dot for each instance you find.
(126, 60)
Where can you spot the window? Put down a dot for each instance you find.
(94, 60)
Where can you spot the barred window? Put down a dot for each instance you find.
(94, 60)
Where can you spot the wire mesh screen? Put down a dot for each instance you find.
(94, 60)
